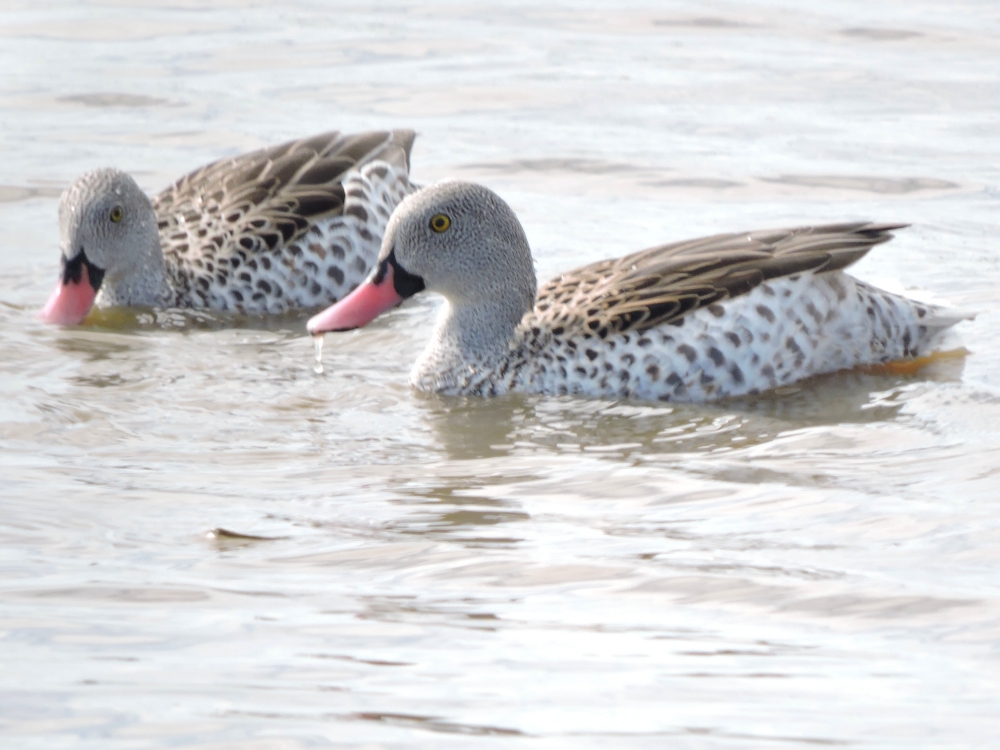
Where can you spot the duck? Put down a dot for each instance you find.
(293, 226)
(722, 316)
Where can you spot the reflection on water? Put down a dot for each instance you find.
(138, 319)
(208, 543)
(517, 425)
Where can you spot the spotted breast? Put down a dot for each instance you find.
(292, 226)
(727, 315)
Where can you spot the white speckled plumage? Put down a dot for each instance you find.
(720, 316)
(779, 332)
(293, 226)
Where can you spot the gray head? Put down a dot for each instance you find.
(464, 242)
(106, 215)
(107, 226)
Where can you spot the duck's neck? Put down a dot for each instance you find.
(471, 341)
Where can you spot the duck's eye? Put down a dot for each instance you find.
(440, 222)
(116, 214)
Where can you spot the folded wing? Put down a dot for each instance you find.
(263, 200)
(662, 284)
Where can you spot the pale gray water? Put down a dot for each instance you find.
(810, 568)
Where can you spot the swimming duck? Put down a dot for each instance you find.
(292, 226)
(720, 316)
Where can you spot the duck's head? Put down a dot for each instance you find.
(455, 238)
(107, 227)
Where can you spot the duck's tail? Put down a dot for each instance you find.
(939, 323)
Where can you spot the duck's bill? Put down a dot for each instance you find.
(358, 308)
(73, 297)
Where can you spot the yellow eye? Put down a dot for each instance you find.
(116, 214)
(440, 222)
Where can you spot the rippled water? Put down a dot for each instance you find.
(205, 543)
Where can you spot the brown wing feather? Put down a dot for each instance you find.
(664, 283)
(264, 199)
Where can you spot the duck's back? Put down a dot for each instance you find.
(293, 226)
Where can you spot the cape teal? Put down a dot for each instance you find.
(293, 226)
(727, 315)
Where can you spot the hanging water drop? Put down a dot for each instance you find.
(318, 346)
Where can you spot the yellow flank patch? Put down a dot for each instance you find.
(910, 366)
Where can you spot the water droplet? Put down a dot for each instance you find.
(318, 346)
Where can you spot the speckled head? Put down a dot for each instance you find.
(464, 241)
(108, 239)
(455, 238)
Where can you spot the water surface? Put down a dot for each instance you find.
(205, 543)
